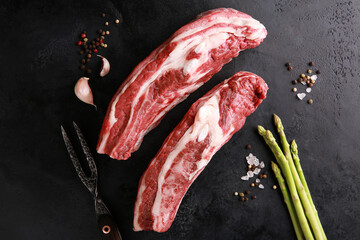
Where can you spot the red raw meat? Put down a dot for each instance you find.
(189, 58)
(206, 127)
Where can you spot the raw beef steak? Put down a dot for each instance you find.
(206, 127)
(190, 57)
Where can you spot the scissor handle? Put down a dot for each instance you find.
(108, 228)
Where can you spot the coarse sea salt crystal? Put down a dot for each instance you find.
(301, 96)
(257, 171)
(257, 180)
(303, 83)
(262, 164)
(308, 90)
(261, 186)
(250, 174)
(256, 162)
(313, 77)
(245, 178)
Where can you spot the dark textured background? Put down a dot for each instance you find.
(41, 196)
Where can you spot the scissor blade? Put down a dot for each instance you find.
(88, 182)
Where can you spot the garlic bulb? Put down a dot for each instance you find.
(105, 66)
(83, 91)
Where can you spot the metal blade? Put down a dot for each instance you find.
(87, 151)
(89, 182)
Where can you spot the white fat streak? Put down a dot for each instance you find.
(204, 132)
(139, 198)
(112, 120)
(207, 115)
(201, 43)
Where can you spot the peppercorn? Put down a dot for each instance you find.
(242, 199)
(302, 75)
(246, 199)
(264, 176)
(90, 51)
(88, 71)
(307, 77)
(318, 72)
(81, 52)
(312, 81)
(311, 63)
(300, 80)
(82, 67)
(105, 45)
(85, 46)
(252, 185)
(256, 184)
(241, 194)
(103, 33)
(84, 32)
(83, 60)
(100, 31)
(294, 89)
(260, 176)
(103, 15)
(95, 50)
(97, 44)
(102, 37)
(117, 21)
(247, 192)
(294, 81)
(236, 193)
(79, 43)
(88, 60)
(307, 81)
(310, 84)
(106, 23)
(309, 71)
(287, 64)
(290, 68)
(90, 46)
(107, 32)
(310, 101)
(248, 146)
(253, 197)
(88, 56)
(274, 187)
(83, 35)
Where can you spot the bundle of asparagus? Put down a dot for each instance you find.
(294, 188)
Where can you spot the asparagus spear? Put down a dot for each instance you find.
(295, 156)
(270, 141)
(288, 202)
(309, 208)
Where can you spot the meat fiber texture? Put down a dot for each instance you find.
(207, 126)
(189, 58)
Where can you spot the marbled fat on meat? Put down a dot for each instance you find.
(207, 126)
(190, 57)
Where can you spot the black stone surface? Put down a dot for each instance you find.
(41, 196)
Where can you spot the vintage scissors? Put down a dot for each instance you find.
(106, 223)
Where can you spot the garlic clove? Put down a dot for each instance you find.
(105, 66)
(83, 91)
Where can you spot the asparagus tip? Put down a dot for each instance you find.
(261, 130)
(294, 147)
(278, 123)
